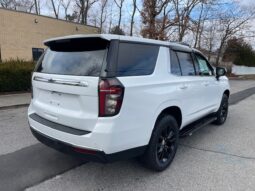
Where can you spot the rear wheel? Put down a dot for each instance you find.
(222, 113)
(163, 144)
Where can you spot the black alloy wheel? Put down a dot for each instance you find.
(166, 145)
(163, 144)
(222, 113)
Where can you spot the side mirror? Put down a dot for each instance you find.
(220, 71)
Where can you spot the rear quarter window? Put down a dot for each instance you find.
(136, 59)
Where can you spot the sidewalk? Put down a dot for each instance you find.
(14, 100)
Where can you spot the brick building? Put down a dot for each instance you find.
(22, 34)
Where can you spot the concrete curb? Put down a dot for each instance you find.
(241, 95)
(14, 106)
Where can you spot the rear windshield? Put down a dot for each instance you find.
(78, 57)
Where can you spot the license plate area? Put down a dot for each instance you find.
(55, 98)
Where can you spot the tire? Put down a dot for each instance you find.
(222, 113)
(163, 144)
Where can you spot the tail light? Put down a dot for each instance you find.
(111, 93)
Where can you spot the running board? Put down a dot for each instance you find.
(193, 127)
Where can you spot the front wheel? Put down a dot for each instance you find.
(163, 144)
(222, 113)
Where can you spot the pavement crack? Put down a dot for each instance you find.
(218, 152)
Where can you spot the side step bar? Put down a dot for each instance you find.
(193, 127)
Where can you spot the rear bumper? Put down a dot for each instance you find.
(87, 154)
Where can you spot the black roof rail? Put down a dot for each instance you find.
(181, 43)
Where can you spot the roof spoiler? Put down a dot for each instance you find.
(77, 44)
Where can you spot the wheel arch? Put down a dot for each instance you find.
(174, 111)
(227, 92)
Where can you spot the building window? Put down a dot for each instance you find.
(37, 52)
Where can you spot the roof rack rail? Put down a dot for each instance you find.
(181, 43)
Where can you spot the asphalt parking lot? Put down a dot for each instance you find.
(214, 158)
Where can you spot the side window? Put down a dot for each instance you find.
(175, 66)
(136, 59)
(186, 63)
(203, 67)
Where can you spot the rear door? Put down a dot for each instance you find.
(65, 81)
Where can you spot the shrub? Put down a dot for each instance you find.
(15, 75)
(117, 30)
(239, 52)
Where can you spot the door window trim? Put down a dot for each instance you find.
(170, 53)
(193, 61)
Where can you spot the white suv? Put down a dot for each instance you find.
(109, 97)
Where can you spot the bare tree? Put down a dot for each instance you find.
(84, 6)
(110, 22)
(206, 11)
(8, 4)
(230, 23)
(103, 4)
(56, 9)
(36, 7)
(65, 5)
(209, 37)
(20, 5)
(23, 5)
(132, 17)
(119, 4)
(183, 9)
(199, 26)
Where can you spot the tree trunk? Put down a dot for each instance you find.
(220, 53)
(36, 7)
(120, 10)
(54, 9)
(120, 15)
(198, 30)
(86, 16)
(132, 18)
(82, 8)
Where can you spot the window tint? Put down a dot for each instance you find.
(136, 59)
(203, 66)
(36, 53)
(186, 63)
(74, 58)
(175, 67)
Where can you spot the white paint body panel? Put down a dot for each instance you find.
(145, 98)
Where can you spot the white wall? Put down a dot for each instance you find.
(243, 70)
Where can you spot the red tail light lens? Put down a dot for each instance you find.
(111, 93)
